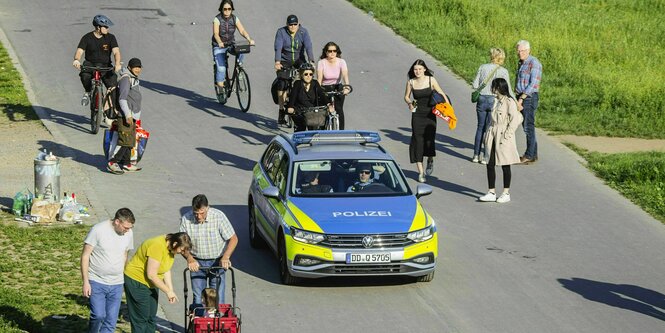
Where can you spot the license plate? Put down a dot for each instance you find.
(364, 258)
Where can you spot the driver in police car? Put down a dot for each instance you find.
(365, 177)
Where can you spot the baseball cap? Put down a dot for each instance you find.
(292, 19)
(134, 62)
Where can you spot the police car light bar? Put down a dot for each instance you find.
(310, 137)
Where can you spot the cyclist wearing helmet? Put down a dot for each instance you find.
(224, 26)
(306, 92)
(291, 43)
(98, 46)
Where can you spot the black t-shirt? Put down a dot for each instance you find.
(303, 98)
(98, 50)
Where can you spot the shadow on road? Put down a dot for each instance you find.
(78, 119)
(444, 185)
(444, 144)
(226, 159)
(624, 296)
(248, 137)
(62, 151)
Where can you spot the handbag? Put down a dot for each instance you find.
(475, 95)
(436, 98)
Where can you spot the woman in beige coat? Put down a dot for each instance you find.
(500, 139)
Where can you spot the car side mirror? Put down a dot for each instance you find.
(273, 192)
(423, 190)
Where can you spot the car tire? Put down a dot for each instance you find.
(426, 278)
(284, 274)
(255, 240)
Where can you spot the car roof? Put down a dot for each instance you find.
(350, 145)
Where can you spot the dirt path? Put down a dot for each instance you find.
(613, 145)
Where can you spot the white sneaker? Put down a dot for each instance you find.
(489, 197)
(483, 160)
(475, 159)
(505, 197)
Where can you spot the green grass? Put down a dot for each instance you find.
(639, 177)
(602, 60)
(14, 104)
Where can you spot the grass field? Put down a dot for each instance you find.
(602, 60)
(14, 104)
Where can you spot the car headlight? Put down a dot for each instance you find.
(421, 235)
(306, 236)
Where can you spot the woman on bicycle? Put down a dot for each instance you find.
(224, 26)
(332, 70)
(306, 93)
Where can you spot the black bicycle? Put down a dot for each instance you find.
(97, 98)
(332, 122)
(289, 75)
(238, 82)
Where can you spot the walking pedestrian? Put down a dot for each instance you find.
(529, 75)
(103, 260)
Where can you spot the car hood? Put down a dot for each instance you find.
(359, 215)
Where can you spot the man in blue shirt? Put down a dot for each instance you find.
(529, 74)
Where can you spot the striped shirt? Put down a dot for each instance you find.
(529, 74)
(208, 238)
(484, 71)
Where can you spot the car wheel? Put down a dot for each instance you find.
(284, 273)
(426, 278)
(255, 239)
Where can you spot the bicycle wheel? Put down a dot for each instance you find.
(243, 90)
(96, 110)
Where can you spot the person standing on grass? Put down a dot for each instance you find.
(529, 74)
(500, 140)
(213, 243)
(486, 73)
(102, 264)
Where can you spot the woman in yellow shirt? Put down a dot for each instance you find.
(149, 270)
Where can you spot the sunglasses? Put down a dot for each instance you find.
(367, 172)
(227, 8)
(331, 51)
(307, 74)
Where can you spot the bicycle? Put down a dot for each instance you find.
(317, 116)
(289, 74)
(238, 82)
(97, 98)
(332, 122)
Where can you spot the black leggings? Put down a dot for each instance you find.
(491, 173)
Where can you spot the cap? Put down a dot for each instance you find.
(292, 19)
(134, 62)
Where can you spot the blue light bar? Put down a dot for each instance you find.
(310, 137)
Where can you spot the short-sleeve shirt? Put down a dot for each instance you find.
(98, 50)
(332, 73)
(210, 237)
(107, 260)
(155, 248)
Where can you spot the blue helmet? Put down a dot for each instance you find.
(101, 21)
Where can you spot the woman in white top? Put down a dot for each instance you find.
(332, 70)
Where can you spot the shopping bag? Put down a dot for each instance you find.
(142, 136)
(45, 211)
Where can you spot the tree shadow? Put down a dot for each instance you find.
(98, 161)
(444, 143)
(624, 296)
(245, 135)
(445, 185)
(211, 106)
(226, 159)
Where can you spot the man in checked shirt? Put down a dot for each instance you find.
(529, 74)
(213, 243)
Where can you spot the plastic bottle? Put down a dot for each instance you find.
(41, 156)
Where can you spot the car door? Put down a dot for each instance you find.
(262, 180)
(278, 175)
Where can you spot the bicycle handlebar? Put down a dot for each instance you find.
(97, 68)
(303, 110)
(338, 89)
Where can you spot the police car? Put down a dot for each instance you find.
(335, 203)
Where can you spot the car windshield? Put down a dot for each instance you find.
(344, 177)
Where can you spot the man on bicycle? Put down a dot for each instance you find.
(291, 43)
(98, 46)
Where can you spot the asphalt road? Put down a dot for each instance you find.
(568, 254)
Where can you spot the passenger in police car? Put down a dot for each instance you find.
(311, 184)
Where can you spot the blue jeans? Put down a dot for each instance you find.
(104, 307)
(203, 279)
(483, 111)
(530, 105)
(220, 55)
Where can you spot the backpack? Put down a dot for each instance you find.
(111, 104)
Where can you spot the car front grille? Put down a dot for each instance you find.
(381, 241)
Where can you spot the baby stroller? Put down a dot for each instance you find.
(226, 318)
